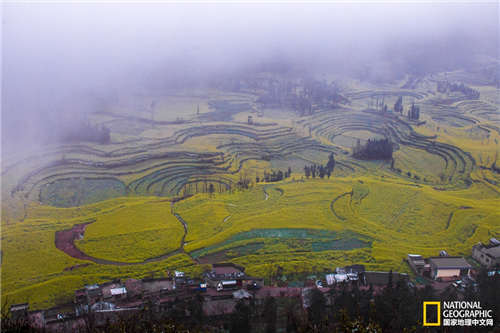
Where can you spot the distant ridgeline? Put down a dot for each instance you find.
(373, 149)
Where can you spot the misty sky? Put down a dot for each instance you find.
(55, 56)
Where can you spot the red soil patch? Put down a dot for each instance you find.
(65, 241)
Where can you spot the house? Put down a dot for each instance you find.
(227, 285)
(112, 291)
(487, 255)
(19, 311)
(119, 292)
(103, 306)
(336, 278)
(225, 272)
(418, 264)
(448, 267)
(134, 287)
(93, 293)
(151, 286)
(242, 294)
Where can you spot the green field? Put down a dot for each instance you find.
(442, 191)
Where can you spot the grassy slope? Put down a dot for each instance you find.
(34, 270)
(136, 232)
(400, 215)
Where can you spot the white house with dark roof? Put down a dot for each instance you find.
(448, 267)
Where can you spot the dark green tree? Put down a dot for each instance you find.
(240, 319)
(316, 312)
(398, 106)
(270, 314)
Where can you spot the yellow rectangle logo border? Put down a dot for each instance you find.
(438, 323)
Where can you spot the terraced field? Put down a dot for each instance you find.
(172, 193)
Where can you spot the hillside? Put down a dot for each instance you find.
(170, 192)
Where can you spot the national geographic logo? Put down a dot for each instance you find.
(456, 313)
(432, 313)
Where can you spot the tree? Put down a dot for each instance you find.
(307, 171)
(414, 112)
(195, 308)
(321, 172)
(240, 319)
(374, 149)
(398, 106)
(270, 314)
(316, 312)
(330, 165)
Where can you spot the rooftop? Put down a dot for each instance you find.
(493, 251)
(449, 262)
(17, 307)
(118, 291)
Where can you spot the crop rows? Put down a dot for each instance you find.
(162, 172)
(332, 124)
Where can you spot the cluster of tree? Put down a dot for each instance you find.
(210, 187)
(379, 103)
(398, 106)
(397, 307)
(373, 149)
(274, 176)
(320, 170)
(244, 183)
(445, 87)
(414, 112)
(305, 96)
(88, 133)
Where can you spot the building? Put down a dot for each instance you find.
(487, 255)
(225, 272)
(228, 285)
(19, 311)
(418, 264)
(242, 294)
(448, 267)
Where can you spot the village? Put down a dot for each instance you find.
(219, 290)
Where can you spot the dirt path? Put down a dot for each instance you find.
(275, 188)
(65, 241)
(332, 208)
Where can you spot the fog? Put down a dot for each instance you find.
(60, 60)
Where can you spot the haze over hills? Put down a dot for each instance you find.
(143, 138)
